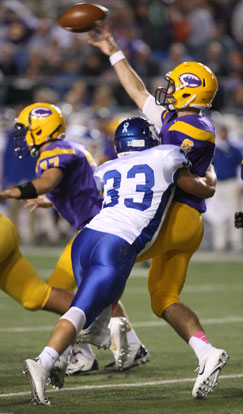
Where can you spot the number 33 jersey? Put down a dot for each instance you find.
(138, 190)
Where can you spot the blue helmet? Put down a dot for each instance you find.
(135, 134)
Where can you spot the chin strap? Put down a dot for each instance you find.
(34, 152)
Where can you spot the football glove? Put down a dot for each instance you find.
(239, 219)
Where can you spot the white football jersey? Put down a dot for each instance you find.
(138, 190)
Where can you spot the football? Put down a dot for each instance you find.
(82, 17)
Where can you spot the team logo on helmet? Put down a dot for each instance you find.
(191, 80)
(41, 112)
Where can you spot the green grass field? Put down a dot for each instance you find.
(213, 290)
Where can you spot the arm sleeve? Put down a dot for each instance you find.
(152, 111)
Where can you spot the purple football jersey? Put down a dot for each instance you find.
(196, 134)
(76, 197)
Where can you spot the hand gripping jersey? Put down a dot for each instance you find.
(196, 134)
(76, 197)
(138, 189)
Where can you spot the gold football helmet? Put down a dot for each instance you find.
(37, 124)
(190, 84)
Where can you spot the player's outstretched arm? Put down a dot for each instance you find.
(203, 187)
(46, 183)
(131, 82)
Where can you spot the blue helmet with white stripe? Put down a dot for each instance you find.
(135, 134)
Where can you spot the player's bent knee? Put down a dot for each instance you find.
(37, 299)
(161, 301)
(30, 305)
(33, 303)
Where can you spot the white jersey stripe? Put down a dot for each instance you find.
(149, 233)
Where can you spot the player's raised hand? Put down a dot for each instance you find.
(103, 39)
(39, 202)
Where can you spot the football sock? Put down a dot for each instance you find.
(48, 357)
(67, 352)
(132, 337)
(200, 344)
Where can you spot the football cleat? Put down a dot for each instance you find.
(96, 334)
(238, 219)
(79, 364)
(138, 354)
(119, 344)
(57, 373)
(208, 371)
(38, 378)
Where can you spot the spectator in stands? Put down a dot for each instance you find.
(103, 97)
(177, 54)
(144, 63)
(237, 22)
(215, 58)
(77, 96)
(226, 201)
(202, 28)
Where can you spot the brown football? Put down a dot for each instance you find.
(82, 17)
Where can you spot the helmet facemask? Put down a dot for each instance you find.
(163, 97)
(19, 144)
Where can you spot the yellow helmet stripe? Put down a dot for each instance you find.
(192, 131)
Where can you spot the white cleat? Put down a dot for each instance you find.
(38, 378)
(57, 373)
(119, 344)
(208, 372)
(96, 334)
(79, 364)
(138, 355)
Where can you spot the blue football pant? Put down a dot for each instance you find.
(101, 264)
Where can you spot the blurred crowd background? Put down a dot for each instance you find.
(41, 62)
